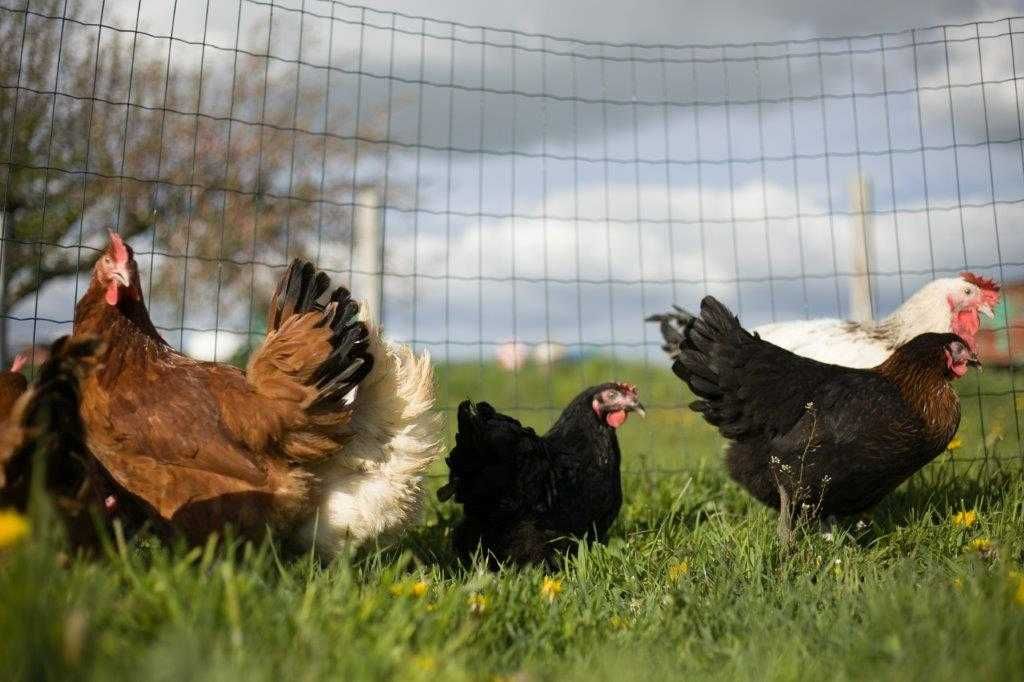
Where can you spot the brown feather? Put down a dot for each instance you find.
(12, 386)
(184, 435)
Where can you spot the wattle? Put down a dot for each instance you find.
(615, 419)
(112, 294)
(966, 323)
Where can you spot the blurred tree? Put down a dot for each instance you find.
(214, 163)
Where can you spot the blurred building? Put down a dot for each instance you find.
(1001, 340)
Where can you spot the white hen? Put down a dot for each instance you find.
(945, 305)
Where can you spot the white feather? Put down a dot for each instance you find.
(373, 488)
(869, 344)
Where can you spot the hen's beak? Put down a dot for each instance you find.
(638, 407)
(122, 278)
(973, 360)
(986, 310)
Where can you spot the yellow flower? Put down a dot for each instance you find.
(550, 588)
(955, 444)
(958, 583)
(13, 527)
(427, 664)
(677, 571)
(477, 603)
(418, 589)
(1018, 595)
(618, 623)
(980, 545)
(965, 519)
(397, 590)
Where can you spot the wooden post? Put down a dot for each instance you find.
(368, 253)
(860, 249)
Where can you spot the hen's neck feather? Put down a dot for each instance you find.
(578, 429)
(921, 313)
(923, 384)
(127, 322)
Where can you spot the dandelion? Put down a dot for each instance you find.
(965, 519)
(955, 444)
(13, 527)
(397, 590)
(477, 604)
(418, 589)
(427, 664)
(958, 583)
(618, 623)
(550, 588)
(1018, 595)
(980, 545)
(677, 571)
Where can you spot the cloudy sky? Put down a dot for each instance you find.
(583, 164)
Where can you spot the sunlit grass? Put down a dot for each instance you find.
(692, 585)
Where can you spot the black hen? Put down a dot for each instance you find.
(526, 498)
(45, 429)
(821, 438)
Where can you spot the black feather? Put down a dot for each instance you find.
(526, 497)
(349, 362)
(837, 439)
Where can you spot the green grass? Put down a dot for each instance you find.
(903, 598)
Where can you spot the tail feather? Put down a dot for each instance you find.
(297, 292)
(349, 360)
(744, 384)
(673, 325)
(463, 460)
(374, 487)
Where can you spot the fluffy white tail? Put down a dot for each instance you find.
(374, 487)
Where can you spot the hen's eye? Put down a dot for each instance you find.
(967, 291)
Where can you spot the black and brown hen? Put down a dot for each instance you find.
(529, 498)
(808, 436)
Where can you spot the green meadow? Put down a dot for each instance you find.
(694, 584)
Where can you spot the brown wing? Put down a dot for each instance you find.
(174, 433)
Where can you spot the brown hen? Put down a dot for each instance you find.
(205, 444)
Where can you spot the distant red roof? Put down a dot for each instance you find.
(1001, 340)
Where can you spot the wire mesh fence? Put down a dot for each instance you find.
(516, 203)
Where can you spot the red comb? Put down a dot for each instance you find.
(20, 360)
(120, 250)
(628, 388)
(979, 281)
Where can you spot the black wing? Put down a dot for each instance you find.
(749, 387)
(498, 468)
